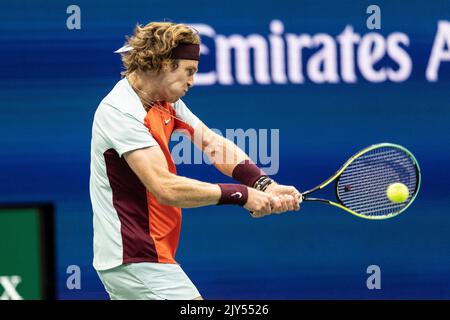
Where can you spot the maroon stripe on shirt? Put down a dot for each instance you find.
(130, 202)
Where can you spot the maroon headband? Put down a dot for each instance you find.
(186, 51)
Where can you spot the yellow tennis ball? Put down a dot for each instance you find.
(397, 192)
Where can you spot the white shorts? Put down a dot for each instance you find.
(148, 281)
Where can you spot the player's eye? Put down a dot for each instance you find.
(191, 72)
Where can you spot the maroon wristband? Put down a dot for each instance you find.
(246, 172)
(233, 194)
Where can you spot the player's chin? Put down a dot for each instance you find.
(176, 97)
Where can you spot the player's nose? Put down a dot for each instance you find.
(190, 82)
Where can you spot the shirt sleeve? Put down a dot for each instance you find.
(186, 115)
(124, 132)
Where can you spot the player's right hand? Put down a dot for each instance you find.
(261, 204)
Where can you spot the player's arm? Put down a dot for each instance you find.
(232, 161)
(223, 153)
(150, 165)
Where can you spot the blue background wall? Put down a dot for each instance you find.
(52, 80)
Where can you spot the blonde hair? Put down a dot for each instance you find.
(152, 45)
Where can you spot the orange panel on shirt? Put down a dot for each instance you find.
(164, 221)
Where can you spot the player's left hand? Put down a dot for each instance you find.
(289, 196)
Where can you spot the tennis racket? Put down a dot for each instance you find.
(361, 183)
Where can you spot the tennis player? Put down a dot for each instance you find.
(135, 191)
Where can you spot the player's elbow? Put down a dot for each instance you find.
(161, 186)
(166, 194)
(166, 197)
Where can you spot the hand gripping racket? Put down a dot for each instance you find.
(361, 183)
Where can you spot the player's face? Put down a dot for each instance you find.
(176, 83)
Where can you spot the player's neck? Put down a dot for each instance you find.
(146, 87)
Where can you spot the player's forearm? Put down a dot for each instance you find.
(183, 192)
(225, 155)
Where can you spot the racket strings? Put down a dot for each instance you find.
(373, 183)
(378, 171)
(362, 185)
(366, 174)
(368, 194)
